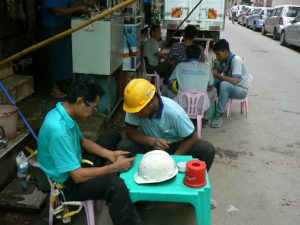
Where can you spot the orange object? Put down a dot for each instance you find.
(195, 175)
(176, 12)
(212, 14)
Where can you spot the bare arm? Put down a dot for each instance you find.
(135, 135)
(84, 174)
(68, 11)
(93, 148)
(186, 145)
(220, 76)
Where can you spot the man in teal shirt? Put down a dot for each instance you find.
(60, 146)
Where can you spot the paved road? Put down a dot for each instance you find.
(257, 167)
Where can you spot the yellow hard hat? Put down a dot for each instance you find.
(174, 86)
(137, 94)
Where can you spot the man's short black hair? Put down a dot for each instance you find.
(221, 45)
(193, 51)
(153, 29)
(190, 32)
(85, 86)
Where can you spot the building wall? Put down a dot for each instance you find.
(17, 43)
(282, 2)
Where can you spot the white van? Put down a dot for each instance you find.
(278, 18)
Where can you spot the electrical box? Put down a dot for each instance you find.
(98, 48)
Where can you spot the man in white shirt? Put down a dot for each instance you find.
(234, 10)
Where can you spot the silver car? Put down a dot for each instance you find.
(279, 17)
(290, 34)
(256, 20)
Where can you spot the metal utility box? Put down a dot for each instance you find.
(97, 48)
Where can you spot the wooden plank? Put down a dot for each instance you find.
(6, 71)
(19, 87)
(29, 200)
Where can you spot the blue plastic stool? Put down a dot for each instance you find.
(173, 190)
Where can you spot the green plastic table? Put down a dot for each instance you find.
(173, 190)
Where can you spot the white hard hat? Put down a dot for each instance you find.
(155, 166)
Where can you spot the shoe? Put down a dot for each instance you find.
(58, 96)
(218, 121)
(213, 203)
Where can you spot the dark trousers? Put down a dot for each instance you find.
(164, 69)
(110, 188)
(147, 11)
(202, 150)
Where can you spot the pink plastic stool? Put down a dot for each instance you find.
(244, 102)
(88, 205)
(193, 105)
(149, 76)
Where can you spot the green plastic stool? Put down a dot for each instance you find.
(173, 190)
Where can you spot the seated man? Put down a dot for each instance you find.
(177, 51)
(60, 145)
(196, 75)
(156, 122)
(152, 53)
(231, 78)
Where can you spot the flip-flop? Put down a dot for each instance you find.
(58, 96)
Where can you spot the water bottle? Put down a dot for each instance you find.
(23, 175)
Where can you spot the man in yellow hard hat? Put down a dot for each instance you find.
(157, 122)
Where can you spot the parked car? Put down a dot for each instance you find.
(279, 17)
(256, 20)
(246, 16)
(290, 34)
(242, 18)
(239, 18)
(241, 8)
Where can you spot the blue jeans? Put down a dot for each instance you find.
(228, 90)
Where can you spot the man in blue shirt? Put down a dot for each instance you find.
(60, 153)
(157, 122)
(56, 18)
(231, 78)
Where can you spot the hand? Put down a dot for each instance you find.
(114, 155)
(161, 144)
(214, 72)
(123, 164)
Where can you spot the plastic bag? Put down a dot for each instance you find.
(22, 161)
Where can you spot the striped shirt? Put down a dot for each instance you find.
(178, 52)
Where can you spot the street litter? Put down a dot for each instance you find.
(231, 209)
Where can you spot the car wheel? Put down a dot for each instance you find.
(282, 38)
(275, 34)
(263, 31)
(254, 27)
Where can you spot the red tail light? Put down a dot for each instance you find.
(260, 17)
(281, 21)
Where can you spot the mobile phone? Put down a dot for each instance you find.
(130, 155)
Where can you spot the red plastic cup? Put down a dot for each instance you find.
(195, 175)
